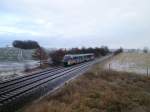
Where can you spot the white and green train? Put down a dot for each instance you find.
(72, 59)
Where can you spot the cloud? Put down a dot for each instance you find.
(85, 22)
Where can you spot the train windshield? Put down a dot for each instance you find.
(66, 58)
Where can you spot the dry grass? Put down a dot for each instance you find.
(99, 91)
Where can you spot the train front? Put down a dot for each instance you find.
(66, 60)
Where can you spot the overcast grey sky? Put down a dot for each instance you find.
(73, 23)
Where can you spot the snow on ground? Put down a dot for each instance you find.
(10, 69)
(9, 75)
(130, 62)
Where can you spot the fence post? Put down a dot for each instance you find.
(109, 66)
(147, 72)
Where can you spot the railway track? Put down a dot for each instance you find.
(14, 93)
(17, 92)
(26, 77)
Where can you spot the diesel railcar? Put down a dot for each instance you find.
(72, 59)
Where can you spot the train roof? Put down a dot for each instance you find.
(74, 55)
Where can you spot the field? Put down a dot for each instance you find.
(11, 69)
(131, 62)
(98, 90)
(15, 54)
(13, 62)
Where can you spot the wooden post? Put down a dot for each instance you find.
(147, 72)
(109, 66)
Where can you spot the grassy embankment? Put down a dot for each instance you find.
(99, 91)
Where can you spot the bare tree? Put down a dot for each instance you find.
(145, 50)
(40, 54)
(57, 56)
